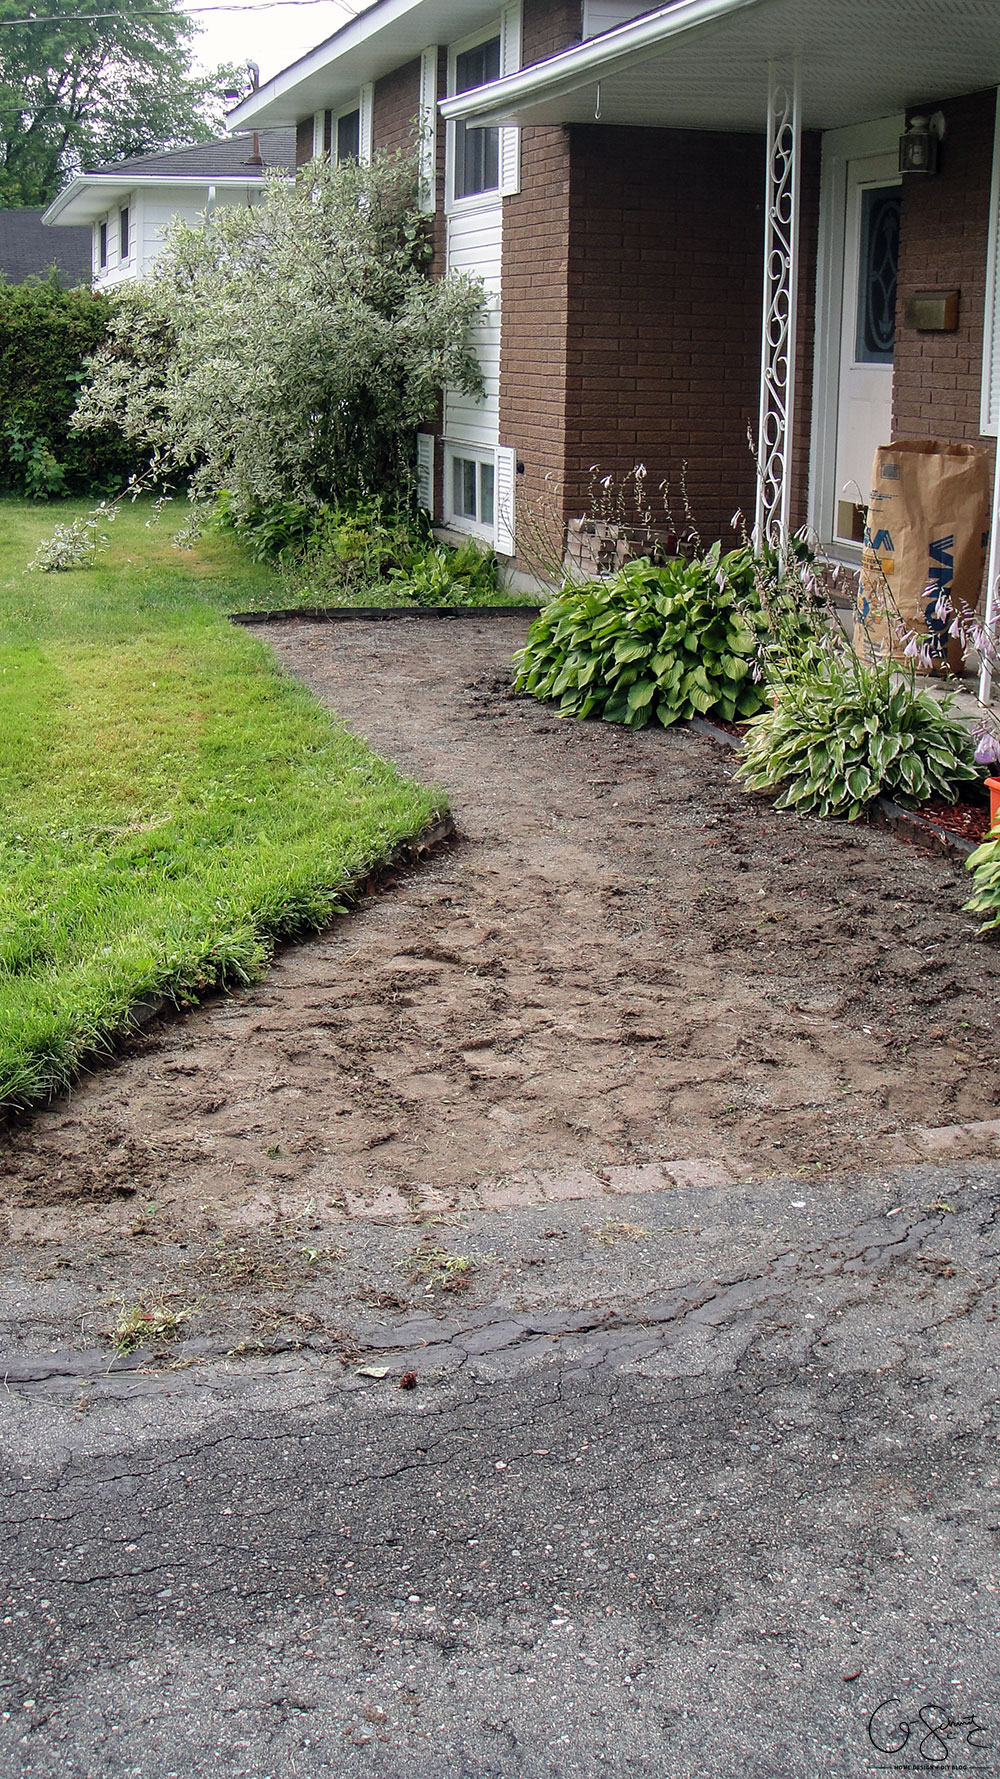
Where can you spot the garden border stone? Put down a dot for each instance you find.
(371, 614)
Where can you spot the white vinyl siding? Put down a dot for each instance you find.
(604, 15)
(475, 245)
(475, 240)
(119, 267)
(990, 420)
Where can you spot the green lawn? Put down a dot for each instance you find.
(170, 801)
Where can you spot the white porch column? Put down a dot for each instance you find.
(775, 427)
(992, 589)
(989, 422)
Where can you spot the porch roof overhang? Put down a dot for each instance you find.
(384, 37)
(703, 65)
(89, 195)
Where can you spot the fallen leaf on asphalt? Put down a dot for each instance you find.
(373, 1371)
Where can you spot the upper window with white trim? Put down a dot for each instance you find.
(476, 150)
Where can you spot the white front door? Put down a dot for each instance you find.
(868, 335)
(855, 326)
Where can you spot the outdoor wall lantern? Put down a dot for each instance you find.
(920, 144)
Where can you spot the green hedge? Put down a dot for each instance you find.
(46, 334)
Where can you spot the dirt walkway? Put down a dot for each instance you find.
(623, 964)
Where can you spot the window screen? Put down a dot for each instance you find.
(477, 151)
(349, 137)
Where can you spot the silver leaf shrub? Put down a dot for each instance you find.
(289, 350)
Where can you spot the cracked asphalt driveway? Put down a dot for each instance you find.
(703, 1526)
(696, 1475)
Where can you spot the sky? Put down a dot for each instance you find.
(270, 36)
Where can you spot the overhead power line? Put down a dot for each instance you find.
(153, 12)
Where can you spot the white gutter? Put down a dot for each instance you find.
(589, 61)
(111, 186)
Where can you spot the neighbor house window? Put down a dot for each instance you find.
(123, 232)
(102, 244)
(477, 151)
(348, 138)
(472, 489)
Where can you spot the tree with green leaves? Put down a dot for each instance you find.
(288, 351)
(77, 89)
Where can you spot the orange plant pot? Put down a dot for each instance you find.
(993, 786)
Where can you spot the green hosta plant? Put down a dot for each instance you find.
(651, 645)
(840, 734)
(439, 575)
(984, 864)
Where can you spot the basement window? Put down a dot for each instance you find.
(472, 490)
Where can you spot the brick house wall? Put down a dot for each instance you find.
(547, 26)
(944, 233)
(534, 367)
(303, 141)
(534, 278)
(664, 313)
(632, 319)
(395, 109)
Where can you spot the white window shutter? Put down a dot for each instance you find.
(366, 107)
(990, 421)
(510, 135)
(428, 126)
(319, 132)
(425, 471)
(505, 485)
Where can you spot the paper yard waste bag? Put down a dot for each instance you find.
(926, 535)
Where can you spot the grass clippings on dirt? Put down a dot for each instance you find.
(171, 802)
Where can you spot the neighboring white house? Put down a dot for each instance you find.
(129, 205)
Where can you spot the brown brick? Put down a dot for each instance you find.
(396, 110)
(943, 245)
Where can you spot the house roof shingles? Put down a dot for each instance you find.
(28, 250)
(229, 158)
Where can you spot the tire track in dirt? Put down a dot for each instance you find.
(622, 962)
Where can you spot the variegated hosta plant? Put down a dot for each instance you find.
(984, 864)
(651, 645)
(841, 734)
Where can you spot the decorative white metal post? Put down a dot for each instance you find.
(781, 289)
(992, 591)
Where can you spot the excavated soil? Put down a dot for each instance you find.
(622, 965)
